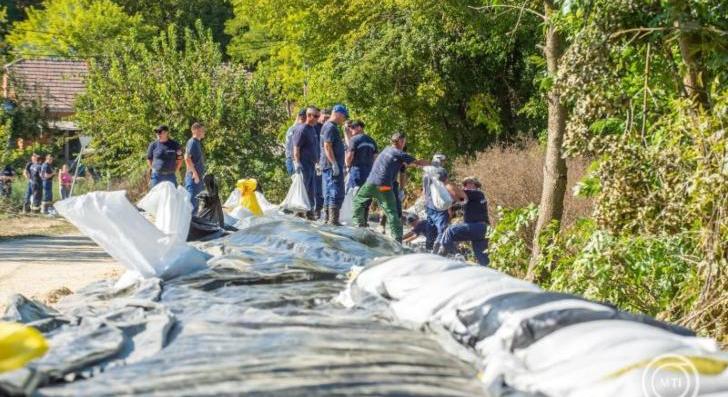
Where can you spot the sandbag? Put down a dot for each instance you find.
(347, 207)
(441, 198)
(265, 205)
(210, 208)
(202, 229)
(115, 225)
(171, 209)
(248, 199)
(297, 198)
(18, 345)
(233, 200)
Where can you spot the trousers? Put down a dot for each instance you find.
(473, 232)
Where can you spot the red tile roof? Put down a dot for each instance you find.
(55, 82)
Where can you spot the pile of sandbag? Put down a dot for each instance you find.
(539, 342)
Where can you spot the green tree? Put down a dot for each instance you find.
(73, 28)
(177, 81)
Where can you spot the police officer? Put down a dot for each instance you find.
(474, 226)
(332, 164)
(304, 154)
(27, 202)
(437, 220)
(323, 116)
(300, 119)
(195, 162)
(46, 175)
(360, 155)
(379, 184)
(164, 157)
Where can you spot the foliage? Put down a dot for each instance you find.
(510, 239)
(139, 87)
(73, 28)
(450, 76)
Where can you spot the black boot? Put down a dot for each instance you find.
(311, 215)
(327, 216)
(334, 216)
(317, 214)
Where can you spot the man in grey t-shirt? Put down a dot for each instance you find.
(195, 161)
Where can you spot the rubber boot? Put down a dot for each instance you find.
(26, 208)
(317, 214)
(334, 216)
(327, 215)
(311, 216)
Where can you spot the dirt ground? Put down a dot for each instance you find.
(47, 258)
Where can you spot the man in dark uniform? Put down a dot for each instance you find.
(300, 119)
(474, 226)
(36, 186)
(360, 156)
(46, 175)
(319, 205)
(304, 155)
(27, 203)
(332, 164)
(379, 184)
(164, 157)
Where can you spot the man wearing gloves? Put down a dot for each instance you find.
(304, 155)
(332, 164)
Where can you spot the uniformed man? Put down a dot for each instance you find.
(300, 119)
(304, 155)
(164, 157)
(36, 184)
(46, 175)
(332, 164)
(379, 184)
(360, 155)
(195, 162)
(475, 223)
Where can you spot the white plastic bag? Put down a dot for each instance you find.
(347, 207)
(441, 198)
(233, 200)
(297, 197)
(116, 225)
(171, 209)
(264, 204)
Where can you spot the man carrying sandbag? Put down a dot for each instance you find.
(360, 155)
(475, 223)
(332, 164)
(304, 155)
(437, 218)
(379, 184)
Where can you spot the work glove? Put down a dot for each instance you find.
(401, 196)
(318, 169)
(298, 168)
(335, 171)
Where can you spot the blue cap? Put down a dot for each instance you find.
(338, 108)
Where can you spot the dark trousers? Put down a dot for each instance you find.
(357, 176)
(157, 178)
(36, 193)
(28, 195)
(436, 224)
(334, 189)
(193, 189)
(47, 191)
(309, 180)
(65, 191)
(319, 192)
(473, 232)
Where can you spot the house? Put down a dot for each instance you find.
(53, 84)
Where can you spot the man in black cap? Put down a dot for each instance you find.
(379, 184)
(164, 157)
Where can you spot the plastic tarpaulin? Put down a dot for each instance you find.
(114, 223)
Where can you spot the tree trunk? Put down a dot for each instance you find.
(554, 169)
(690, 51)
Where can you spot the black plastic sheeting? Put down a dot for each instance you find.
(262, 321)
(484, 320)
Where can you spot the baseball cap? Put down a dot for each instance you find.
(161, 128)
(339, 108)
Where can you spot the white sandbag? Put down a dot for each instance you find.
(371, 279)
(233, 200)
(116, 225)
(297, 198)
(171, 209)
(346, 215)
(264, 204)
(441, 198)
(239, 213)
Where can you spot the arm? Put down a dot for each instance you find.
(297, 154)
(349, 159)
(456, 192)
(419, 163)
(410, 236)
(191, 167)
(329, 151)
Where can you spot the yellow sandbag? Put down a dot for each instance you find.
(19, 344)
(247, 196)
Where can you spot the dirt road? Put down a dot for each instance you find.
(46, 267)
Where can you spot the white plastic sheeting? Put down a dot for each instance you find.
(612, 357)
(116, 225)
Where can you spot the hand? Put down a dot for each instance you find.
(196, 178)
(298, 168)
(335, 171)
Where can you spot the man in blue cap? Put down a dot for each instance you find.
(332, 163)
(304, 155)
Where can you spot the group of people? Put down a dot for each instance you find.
(165, 157)
(40, 174)
(325, 158)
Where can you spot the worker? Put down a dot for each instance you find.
(36, 184)
(195, 163)
(304, 155)
(332, 164)
(437, 220)
(300, 119)
(379, 184)
(360, 155)
(164, 157)
(323, 115)
(418, 227)
(7, 175)
(475, 223)
(29, 190)
(46, 175)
